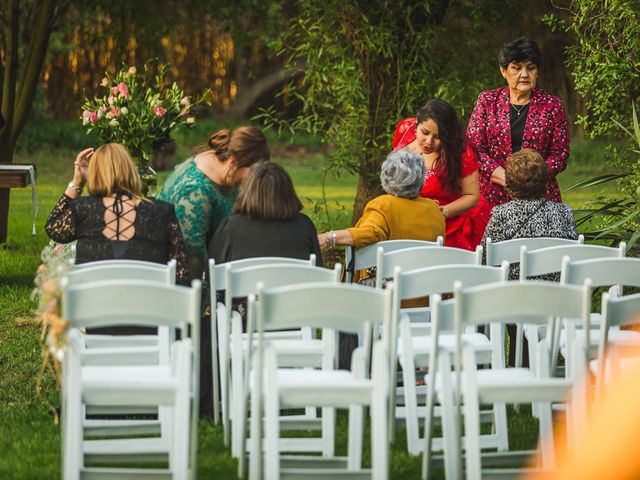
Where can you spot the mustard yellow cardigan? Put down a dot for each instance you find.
(394, 218)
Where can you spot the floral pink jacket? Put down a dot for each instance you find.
(545, 130)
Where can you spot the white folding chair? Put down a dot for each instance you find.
(350, 308)
(614, 358)
(419, 341)
(366, 257)
(548, 260)
(99, 349)
(298, 346)
(520, 302)
(220, 325)
(171, 384)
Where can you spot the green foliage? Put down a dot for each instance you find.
(617, 219)
(604, 59)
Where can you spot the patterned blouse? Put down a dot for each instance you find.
(201, 205)
(155, 235)
(530, 219)
(545, 131)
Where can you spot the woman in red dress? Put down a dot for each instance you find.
(452, 171)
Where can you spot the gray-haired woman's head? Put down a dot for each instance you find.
(402, 174)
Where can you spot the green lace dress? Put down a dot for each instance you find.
(200, 205)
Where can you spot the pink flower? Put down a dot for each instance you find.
(49, 287)
(159, 111)
(115, 111)
(59, 248)
(114, 91)
(93, 117)
(123, 89)
(42, 269)
(185, 101)
(111, 100)
(184, 112)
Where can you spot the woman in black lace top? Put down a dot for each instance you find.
(114, 221)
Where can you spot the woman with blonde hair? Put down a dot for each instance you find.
(204, 187)
(115, 221)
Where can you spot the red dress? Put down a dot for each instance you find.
(464, 230)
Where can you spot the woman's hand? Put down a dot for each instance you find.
(498, 177)
(80, 166)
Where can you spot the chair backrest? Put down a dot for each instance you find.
(131, 302)
(520, 302)
(421, 257)
(509, 250)
(602, 271)
(123, 270)
(549, 260)
(344, 307)
(366, 257)
(217, 272)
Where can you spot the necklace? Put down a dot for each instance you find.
(519, 110)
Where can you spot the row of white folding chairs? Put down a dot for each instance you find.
(119, 378)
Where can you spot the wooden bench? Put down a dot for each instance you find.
(11, 178)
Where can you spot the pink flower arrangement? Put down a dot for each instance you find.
(147, 107)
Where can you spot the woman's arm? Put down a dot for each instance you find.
(193, 211)
(469, 198)
(61, 225)
(342, 237)
(371, 228)
(177, 250)
(477, 134)
(558, 152)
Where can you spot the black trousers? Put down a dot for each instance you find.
(511, 360)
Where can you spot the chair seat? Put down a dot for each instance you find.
(616, 336)
(296, 384)
(422, 344)
(146, 385)
(511, 385)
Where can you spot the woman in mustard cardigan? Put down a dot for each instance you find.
(400, 214)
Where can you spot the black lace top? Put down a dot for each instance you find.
(108, 228)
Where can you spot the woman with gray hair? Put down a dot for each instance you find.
(400, 214)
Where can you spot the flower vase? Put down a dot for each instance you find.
(148, 176)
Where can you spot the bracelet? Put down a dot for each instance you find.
(332, 239)
(77, 188)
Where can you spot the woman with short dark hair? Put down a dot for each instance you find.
(266, 220)
(518, 116)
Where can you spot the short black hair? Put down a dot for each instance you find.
(519, 50)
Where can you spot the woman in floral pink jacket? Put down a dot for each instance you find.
(517, 116)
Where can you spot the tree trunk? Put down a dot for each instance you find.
(368, 188)
(8, 101)
(248, 97)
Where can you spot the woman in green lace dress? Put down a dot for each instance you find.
(204, 187)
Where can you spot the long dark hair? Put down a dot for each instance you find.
(448, 165)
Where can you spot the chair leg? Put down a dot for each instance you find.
(473, 462)
(271, 419)
(215, 368)
(255, 454)
(500, 421)
(328, 431)
(450, 420)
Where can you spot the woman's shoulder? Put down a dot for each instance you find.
(488, 96)
(542, 97)
(469, 160)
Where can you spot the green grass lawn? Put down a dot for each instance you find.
(29, 439)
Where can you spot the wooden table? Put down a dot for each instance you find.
(10, 178)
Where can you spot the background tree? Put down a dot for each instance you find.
(604, 60)
(25, 28)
